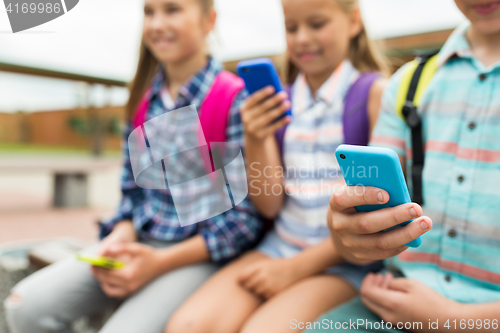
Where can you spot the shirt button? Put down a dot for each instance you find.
(447, 277)
(482, 77)
(461, 179)
(472, 125)
(452, 233)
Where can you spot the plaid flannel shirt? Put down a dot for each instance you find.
(153, 212)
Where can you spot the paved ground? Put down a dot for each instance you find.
(37, 224)
(41, 224)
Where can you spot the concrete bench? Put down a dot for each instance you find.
(69, 181)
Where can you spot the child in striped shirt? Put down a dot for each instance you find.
(451, 282)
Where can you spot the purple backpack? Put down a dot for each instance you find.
(355, 119)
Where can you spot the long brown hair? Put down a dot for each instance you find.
(146, 69)
(362, 52)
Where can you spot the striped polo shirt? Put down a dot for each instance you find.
(460, 110)
(311, 169)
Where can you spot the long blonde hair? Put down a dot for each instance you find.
(362, 52)
(146, 69)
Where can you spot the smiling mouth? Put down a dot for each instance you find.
(162, 42)
(487, 8)
(307, 56)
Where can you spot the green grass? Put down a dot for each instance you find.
(26, 149)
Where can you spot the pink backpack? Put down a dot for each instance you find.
(214, 110)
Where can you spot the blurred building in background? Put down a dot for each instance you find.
(99, 129)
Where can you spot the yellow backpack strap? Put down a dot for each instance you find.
(404, 86)
(429, 69)
(413, 84)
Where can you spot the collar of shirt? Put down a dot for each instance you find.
(193, 91)
(335, 87)
(457, 45)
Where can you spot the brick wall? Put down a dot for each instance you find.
(61, 128)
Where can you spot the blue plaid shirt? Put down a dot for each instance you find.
(153, 212)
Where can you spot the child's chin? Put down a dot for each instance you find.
(315, 69)
(168, 56)
(488, 26)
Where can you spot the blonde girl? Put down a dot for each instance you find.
(296, 273)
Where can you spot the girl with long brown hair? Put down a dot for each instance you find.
(165, 258)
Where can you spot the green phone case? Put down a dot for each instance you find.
(103, 262)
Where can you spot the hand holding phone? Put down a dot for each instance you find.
(267, 108)
(104, 262)
(358, 214)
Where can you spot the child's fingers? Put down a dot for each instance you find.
(373, 254)
(378, 220)
(246, 273)
(367, 282)
(385, 298)
(274, 127)
(398, 237)
(275, 113)
(269, 293)
(251, 283)
(265, 120)
(115, 280)
(401, 284)
(111, 250)
(261, 289)
(113, 291)
(374, 307)
(107, 275)
(252, 112)
(271, 103)
(249, 279)
(346, 198)
(387, 280)
(379, 280)
(256, 98)
(104, 249)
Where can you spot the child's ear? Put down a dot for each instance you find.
(210, 19)
(356, 23)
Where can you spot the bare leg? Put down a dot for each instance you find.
(303, 302)
(221, 305)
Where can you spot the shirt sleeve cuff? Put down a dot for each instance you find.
(105, 228)
(218, 253)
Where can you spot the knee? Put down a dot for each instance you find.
(26, 317)
(15, 312)
(181, 322)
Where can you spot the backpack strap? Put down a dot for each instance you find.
(214, 110)
(217, 103)
(142, 110)
(355, 120)
(214, 116)
(413, 84)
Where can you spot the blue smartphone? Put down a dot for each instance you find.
(260, 73)
(376, 167)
